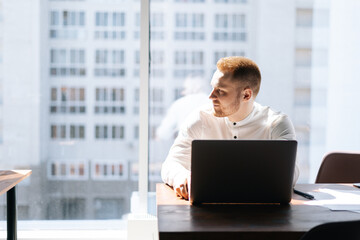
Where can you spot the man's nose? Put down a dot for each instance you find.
(212, 94)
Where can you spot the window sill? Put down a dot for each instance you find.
(69, 229)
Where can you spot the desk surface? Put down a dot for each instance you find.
(177, 219)
(9, 178)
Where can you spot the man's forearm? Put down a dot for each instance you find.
(173, 171)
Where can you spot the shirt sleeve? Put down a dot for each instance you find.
(283, 129)
(177, 165)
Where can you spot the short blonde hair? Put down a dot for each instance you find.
(241, 69)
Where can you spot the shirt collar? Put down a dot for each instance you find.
(242, 122)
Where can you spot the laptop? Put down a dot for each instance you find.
(242, 171)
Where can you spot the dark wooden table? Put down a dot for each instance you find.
(177, 219)
(8, 180)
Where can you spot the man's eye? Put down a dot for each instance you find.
(220, 91)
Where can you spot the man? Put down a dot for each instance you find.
(234, 115)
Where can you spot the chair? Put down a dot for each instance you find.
(347, 230)
(339, 167)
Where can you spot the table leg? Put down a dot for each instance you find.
(11, 214)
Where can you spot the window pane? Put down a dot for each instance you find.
(308, 59)
(79, 39)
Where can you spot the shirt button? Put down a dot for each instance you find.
(234, 123)
(235, 137)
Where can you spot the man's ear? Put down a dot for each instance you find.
(247, 94)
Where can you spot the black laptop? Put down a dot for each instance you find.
(242, 171)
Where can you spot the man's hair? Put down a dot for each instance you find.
(241, 69)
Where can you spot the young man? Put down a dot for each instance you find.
(234, 114)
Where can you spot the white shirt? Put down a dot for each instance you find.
(262, 124)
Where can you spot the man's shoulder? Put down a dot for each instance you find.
(268, 112)
(279, 123)
(200, 118)
(200, 114)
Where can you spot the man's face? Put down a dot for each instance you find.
(225, 95)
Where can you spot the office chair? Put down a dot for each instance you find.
(339, 167)
(348, 230)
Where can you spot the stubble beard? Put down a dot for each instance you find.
(233, 108)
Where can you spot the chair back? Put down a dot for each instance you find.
(347, 230)
(339, 167)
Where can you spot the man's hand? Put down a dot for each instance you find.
(182, 189)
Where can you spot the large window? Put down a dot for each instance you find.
(70, 98)
(297, 47)
(68, 115)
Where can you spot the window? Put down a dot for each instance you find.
(118, 19)
(157, 20)
(106, 19)
(67, 62)
(101, 19)
(113, 132)
(72, 208)
(238, 21)
(137, 57)
(189, 58)
(218, 55)
(68, 169)
(118, 132)
(304, 17)
(108, 63)
(197, 58)
(180, 57)
(185, 42)
(302, 96)
(71, 100)
(181, 20)
(157, 57)
(230, 27)
(189, 26)
(221, 20)
(101, 131)
(67, 132)
(303, 57)
(67, 24)
(54, 18)
(84, 49)
(110, 101)
(118, 57)
(101, 56)
(110, 26)
(157, 95)
(105, 169)
(77, 56)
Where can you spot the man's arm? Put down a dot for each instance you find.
(283, 129)
(175, 170)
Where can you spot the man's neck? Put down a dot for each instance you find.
(244, 111)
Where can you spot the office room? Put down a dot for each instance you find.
(94, 94)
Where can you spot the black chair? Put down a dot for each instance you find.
(349, 230)
(339, 167)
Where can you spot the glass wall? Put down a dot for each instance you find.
(69, 88)
(296, 45)
(69, 107)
